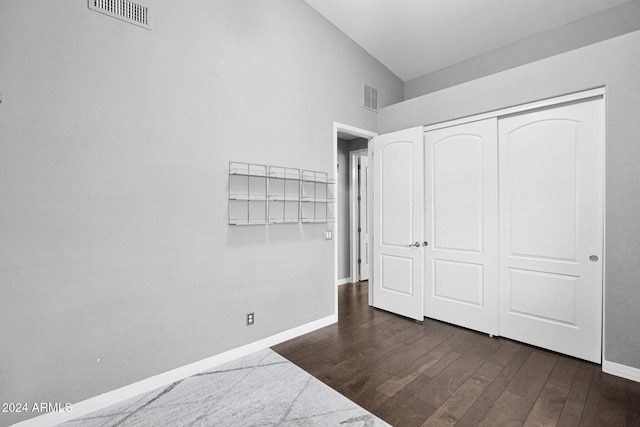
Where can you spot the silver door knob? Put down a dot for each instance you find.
(416, 244)
(425, 243)
(593, 258)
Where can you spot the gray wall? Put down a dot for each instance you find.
(116, 260)
(344, 211)
(358, 144)
(601, 26)
(613, 63)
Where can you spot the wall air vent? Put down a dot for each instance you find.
(126, 10)
(370, 99)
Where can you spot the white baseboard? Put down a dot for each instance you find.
(344, 281)
(162, 380)
(619, 370)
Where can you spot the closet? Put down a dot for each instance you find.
(496, 224)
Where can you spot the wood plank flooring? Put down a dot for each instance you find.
(437, 374)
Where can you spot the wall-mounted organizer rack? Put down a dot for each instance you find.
(262, 194)
(247, 193)
(284, 195)
(317, 197)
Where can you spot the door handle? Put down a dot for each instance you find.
(416, 244)
(425, 243)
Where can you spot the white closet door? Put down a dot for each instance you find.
(364, 218)
(551, 208)
(397, 222)
(461, 225)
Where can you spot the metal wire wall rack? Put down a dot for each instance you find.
(248, 185)
(318, 197)
(261, 194)
(284, 195)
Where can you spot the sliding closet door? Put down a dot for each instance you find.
(461, 225)
(397, 222)
(551, 209)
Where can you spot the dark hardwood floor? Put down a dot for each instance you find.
(437, 374)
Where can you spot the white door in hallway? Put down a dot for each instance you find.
(397, 284)
(461, 225)
(551, 214)
(363, 218)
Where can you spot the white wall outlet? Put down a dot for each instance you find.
(328, 235)
(250, 319)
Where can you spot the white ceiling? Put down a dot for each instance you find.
(416, 37)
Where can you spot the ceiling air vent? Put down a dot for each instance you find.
(370, 99)
(126, 10)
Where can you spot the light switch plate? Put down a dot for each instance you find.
(328, 235)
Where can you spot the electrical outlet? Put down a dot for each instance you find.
(328, 235)
(250, 319)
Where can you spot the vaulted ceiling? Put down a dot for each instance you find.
(416, 37)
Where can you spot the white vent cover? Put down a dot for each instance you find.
(370, 99)
(126, 10)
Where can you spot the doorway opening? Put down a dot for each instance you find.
(352, 229)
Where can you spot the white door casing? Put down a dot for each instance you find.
(552, 219)
(461, 225)
(363, 253)
(397, 160)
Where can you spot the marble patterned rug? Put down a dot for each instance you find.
(262, 389)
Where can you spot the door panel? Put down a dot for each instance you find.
(545, 296)
(396, 195)
(461, 225)
(458, 282)
(457, 169)
(397, 222)
(542, 174)
(397, 274)
(551, 207)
